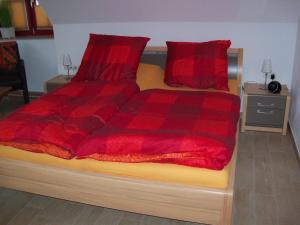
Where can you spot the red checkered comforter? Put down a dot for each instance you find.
(58, 122)
(188, 128)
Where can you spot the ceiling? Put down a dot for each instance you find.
(94, 11)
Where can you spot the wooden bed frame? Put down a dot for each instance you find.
(176, 201)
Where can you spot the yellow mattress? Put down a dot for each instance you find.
(150, 171)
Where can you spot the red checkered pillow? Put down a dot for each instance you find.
(198, 65)
(8, 55)
(111, 58)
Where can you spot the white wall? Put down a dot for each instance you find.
(259, 40)
(96, 11)
(40, 61)
(295, 108)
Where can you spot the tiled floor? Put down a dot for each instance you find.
(267, 190)
(268, 180)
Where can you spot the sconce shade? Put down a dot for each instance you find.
(266, 66)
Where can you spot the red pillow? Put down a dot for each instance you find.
(111, 58)
(198, 65)
(8, 55)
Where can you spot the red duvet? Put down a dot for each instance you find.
(188, 128)
(58, 122)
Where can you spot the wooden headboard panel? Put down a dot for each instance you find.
(157, 56)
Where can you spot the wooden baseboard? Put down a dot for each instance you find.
(297, 152)
(32, 94)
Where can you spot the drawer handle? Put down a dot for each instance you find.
(263, 112)
(265, 105)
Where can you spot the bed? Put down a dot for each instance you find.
(183, 201)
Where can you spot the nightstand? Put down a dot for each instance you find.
(55, 82)
(264, 111)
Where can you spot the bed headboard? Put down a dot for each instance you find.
(157, 56)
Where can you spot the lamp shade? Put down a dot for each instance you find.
(266, 66)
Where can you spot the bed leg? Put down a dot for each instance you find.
(227, 210)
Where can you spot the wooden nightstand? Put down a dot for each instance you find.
(264, 111)
(55, 82)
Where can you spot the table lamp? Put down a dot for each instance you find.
(266, 69)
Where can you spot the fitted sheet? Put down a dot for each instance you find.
(169, 173)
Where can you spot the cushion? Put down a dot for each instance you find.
(8, 55)
(198, 65)
(111, 58)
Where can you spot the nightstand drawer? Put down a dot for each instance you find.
(274, 102)
(268, 117)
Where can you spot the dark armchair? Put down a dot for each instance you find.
(12, 69)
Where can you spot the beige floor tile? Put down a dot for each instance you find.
(260, 144)
(2, 190)
(245, 170)
(243, 213)
(40, 202)
(263, 175)
(37, 220)
(54, 209)
(280, 171)
(296, 202)
(173, 222)
(132, 216)
(246, 141)
(189, 223)
(294, 166)
(109, 216)
(24, 216)
(129, 222)
(11, 204)
(69, 214)
(153, 220)
(88, 215)
(286, 210)
(265, 210)
(61, 212)
(279, 143)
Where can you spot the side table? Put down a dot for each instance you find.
(56, 82)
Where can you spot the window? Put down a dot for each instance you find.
(29, 18)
